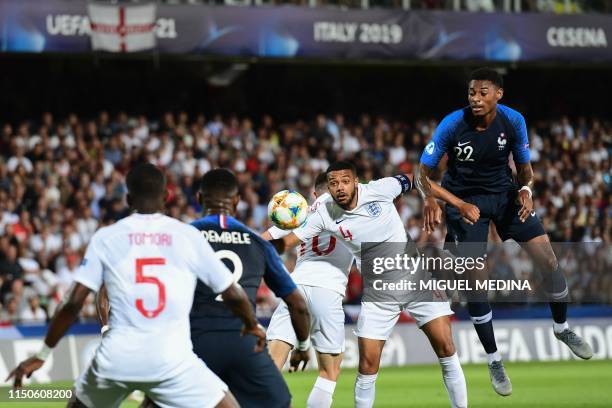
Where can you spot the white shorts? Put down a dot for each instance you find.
(195, 386)
(377, 319)
(327, 320)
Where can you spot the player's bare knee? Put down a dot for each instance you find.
(445, 349)
(552, 263)
(369, 364)
(330, 373)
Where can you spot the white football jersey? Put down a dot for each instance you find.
(322, 261)
(149, 264)
(374, 219)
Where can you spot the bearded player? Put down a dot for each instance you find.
(358, 213)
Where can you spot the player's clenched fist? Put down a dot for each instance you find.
(298, 357)
(469, 212)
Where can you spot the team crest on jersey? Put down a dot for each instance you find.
(430, 147)
(501, 141)
(374, 209)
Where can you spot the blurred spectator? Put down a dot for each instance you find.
(10, 269)
(65, 274)
(10, 312)
(61, 179)
(33, 312)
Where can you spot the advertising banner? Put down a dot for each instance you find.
(322, 33)
(517, 340)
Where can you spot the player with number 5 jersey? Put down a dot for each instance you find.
(148, 263)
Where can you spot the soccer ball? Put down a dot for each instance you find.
(288, 209)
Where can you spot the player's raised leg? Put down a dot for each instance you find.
(555, 285)
(520, 222)
(481, 315)
(469, 240)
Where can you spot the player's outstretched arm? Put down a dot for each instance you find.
(285, 243)
(237, 300)
(430, 191)
(300, 320)
(61, 322)
(267, 236)
(277, 243)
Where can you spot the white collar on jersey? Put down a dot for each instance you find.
(147, 216)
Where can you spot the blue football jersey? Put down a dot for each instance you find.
(249, 257)
(478, 161)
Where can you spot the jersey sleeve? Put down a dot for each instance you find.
(206, 265)
(277, 233)
(91, 271)
(276, 275)
(520, 147)
(440, 142)
(388, 188)
(312, 227)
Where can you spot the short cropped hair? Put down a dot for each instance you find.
(219, 182)
(341, 165)
(146, 181)
(487, 74)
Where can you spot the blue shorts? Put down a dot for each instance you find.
(502, 209)
(252, 377)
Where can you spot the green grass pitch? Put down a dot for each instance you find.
(558, 384)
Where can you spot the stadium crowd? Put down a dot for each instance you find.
(62, 178)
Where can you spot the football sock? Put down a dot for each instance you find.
(365, 390)
(482, 317)
(491, 357)
(559, 327)
(555, 286)
(321, 394)
(454, 381)
(559, 311)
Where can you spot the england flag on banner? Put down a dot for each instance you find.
(122, 28)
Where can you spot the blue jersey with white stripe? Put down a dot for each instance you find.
(249, 257)
(478, 161)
